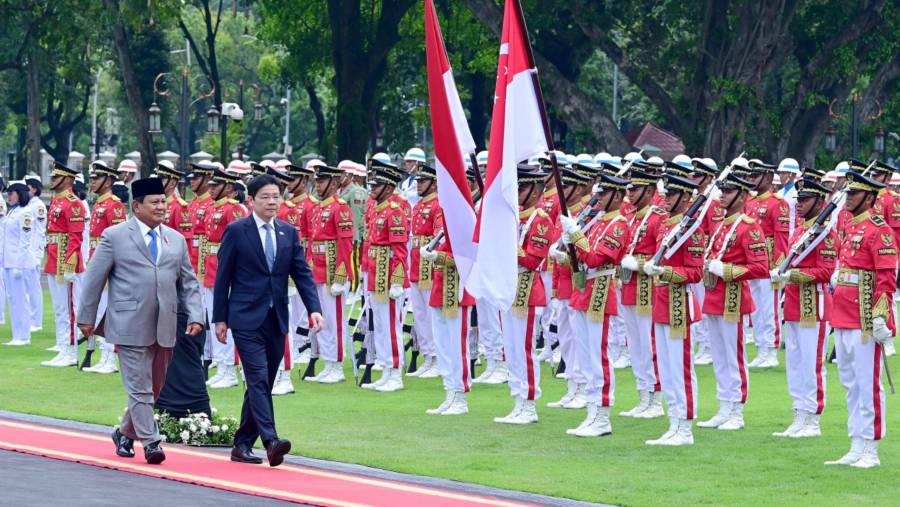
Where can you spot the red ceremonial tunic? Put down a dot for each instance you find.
(178, 217)
(536, 232)
(745, 258)
(107, 212)
(331, 241)
(867, 251)
(773, 215)
(197, 213)
(810, 276)
(218, 216)
(645, 224)
(602, 249)
(685, 266)
(387, 245)
(426, 223)
(65, 233)
(562, 273)
(888, 206)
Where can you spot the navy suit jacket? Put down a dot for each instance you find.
(244, 285)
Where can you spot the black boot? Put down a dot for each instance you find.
(86, 363)
(562, 367)
(413, 362)
(310, 369)
(408, 345)
(472, 368)
(361, 358)
(366, 376)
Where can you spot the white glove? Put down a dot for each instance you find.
(834, 278)
(880, 331)
(717, 268)
(630, 263)
(557, 255)
(778, 277)
(69, 277)
(569, 224)
(428, 255)
(652, 269)
(16, 273)
(566, 238)
(396, 292)
(338, 289)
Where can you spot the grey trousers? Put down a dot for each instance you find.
(143, 376)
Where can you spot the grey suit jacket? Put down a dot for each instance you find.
(143, 296)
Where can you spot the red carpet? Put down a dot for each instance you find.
(287, 482)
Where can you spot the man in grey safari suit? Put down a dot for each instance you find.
(149, 274)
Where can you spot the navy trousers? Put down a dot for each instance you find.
(260, 351)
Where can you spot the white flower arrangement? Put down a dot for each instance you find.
(197, 429)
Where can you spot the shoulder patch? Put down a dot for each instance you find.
(72, 197)
(541, 213)
(394, 205)
(877, 220)
(658, 210)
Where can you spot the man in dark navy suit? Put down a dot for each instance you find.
(256, 257)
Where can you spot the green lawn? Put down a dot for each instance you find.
(391, 431)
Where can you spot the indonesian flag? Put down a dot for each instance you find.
(517, 133)
(452, 141)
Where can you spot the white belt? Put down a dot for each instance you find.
(213, 249)
(596, 273)
(845, 277)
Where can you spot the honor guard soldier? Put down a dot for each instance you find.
(65, 233)
(635, 307)
(16, 259)
(675, 309)
(356, 195)
(807, 307)
(600, 251)
(736, 253)
(576, 192)
(549, 203)
(178, 216)
(33, 290)
(222, 212)
(330, 251)
(198, 178)
(388, 236)
(426, 224)
(520, 323)
(772, 213)
(862, 318)
(704, 173)
(304, 203)
(888, 203)
(450, 317)
(108, 211)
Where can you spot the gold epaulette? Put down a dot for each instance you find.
(748, 219)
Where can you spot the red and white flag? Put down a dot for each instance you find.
(452, 141)
(517, 133)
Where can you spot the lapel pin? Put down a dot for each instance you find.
(281, 233)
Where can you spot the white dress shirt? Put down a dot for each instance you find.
(262, 232)
(145, 233)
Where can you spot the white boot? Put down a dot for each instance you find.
(500, 375)
(56, 359)
(385, 376)
(683, 435)
(426, 363)
(624, 359)
(673, 427)
(17, 343)
(108, 365)
(571, 388)
(304, 356)
(643, 403)
(703, 356)
(579, 401)
(54, 348)
(725, 408)
(771, 359)
(104, 353)
(283, 384)
(517, 408)
(527, 415)
(599, 427)
(322, 374)
(459, 405)
(546, 353)
(491, 366)
(810, 427)
(762, 353)
(432, 371)
(857, 446)
(591, 414)
(65, 358)
(336, 374)
(228, 378)
(448, 399)
(654, 407)
(735, 420)
(393, 383)
(889, 348)
(220, 370)
(796, 425)
(869, 458)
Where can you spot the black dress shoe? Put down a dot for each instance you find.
(243, 454)
(154, 454)
(124, 445)
(276, 449)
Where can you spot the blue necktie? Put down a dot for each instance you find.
(270, 246)
(152, 246)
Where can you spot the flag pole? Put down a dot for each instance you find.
(557, 179)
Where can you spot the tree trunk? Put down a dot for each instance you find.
(478, 112)
(132, 91)
(34, 112)
(315, 105)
